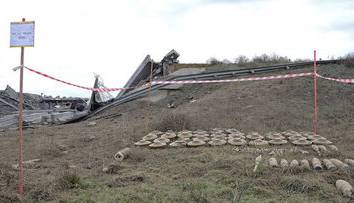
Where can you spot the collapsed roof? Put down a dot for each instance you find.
(143, 72)
(9, 101)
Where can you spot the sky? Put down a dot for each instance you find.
(75, 39)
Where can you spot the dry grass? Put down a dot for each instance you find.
(69, 180)
(46, 192)
(294, 184)
(172, 121)
(136, 155)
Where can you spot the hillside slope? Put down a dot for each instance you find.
(204, 174)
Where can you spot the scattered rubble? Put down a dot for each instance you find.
(39, 109)
(44, 110)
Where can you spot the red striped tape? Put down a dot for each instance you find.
(347, 81)
(79, 86)
(177, 82)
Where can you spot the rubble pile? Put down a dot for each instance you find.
(39, 109)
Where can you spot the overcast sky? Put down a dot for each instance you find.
(76, 38)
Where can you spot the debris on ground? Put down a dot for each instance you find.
(257, 162)
(92, 123)
(122, 154)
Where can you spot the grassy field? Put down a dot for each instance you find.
(73, 155)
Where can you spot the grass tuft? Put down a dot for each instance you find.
(69, 180)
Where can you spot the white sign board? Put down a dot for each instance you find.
(22, 34)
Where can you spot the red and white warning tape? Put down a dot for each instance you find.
(177, 82)
(233, 80)
(347, 81)
(79, 86)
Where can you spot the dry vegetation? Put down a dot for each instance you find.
(348, 60)
(263, 59)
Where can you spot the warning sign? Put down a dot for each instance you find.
(22, 34)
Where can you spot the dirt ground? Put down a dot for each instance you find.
(73, 155)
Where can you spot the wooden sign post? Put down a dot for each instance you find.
(21, 35)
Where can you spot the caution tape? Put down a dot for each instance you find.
(347, 81)
(79, 86)
(276, 77)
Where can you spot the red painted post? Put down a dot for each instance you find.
(315, 115)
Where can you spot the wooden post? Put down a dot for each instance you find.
(315, 113)
(20, 125)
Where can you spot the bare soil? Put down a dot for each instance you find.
(73, 155)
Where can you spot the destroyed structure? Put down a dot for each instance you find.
(41, 110)
(143, 72)
(99, 99)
